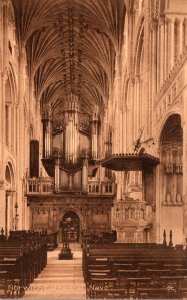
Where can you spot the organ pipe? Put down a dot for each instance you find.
(72, 129)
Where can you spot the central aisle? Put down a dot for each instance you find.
(60, 278)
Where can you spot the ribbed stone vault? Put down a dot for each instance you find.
(71, 46)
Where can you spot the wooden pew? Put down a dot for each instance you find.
(22, 257)
(154, 266)
(12, 262)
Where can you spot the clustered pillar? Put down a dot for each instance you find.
(47, 140)
(94, 129)
(57, 174)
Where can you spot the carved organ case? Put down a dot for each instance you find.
(70, 140)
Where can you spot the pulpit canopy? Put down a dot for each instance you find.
(130, 162)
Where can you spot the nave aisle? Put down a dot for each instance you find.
(61, 278)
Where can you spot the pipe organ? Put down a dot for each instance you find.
(71, 147)
(74, 138)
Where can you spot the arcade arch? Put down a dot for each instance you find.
(171, 177)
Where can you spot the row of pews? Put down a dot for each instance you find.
(89, 237)
(22, 257)
(143, 271)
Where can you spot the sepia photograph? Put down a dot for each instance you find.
(93, 149)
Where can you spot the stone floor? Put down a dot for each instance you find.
(60, 278)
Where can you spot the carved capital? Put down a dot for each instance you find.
(162, 20)
(168, 21)
(154, 24)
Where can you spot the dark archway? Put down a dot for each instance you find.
(171, 178)
(171, 160)
(70, 227)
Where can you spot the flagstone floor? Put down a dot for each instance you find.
(60, 278)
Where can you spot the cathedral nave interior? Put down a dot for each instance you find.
(94, 121)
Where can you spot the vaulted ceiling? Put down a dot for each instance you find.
(71, 47)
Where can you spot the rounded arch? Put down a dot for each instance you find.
(70, 212)
(173, 111)
(170, 175)
(9, 175)
(70, 226)
(74, 210)
(172, 123)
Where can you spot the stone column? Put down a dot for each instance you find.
(137, 110)
(180, 30)
(47, 140)
(2, 205)
(4, 70)
(184, 125)
(161, 54)
(94, 126)
(130, 116)
(158, 57)
(28, 224)
(125, 128)
(159, 192)
(120, 128)
(8, 212)
(8, 125)
(170, 44)
(184, 33)
(57, 174)
(154, 56)
(85, 175)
